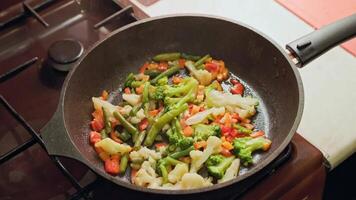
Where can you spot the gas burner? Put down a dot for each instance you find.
(63, 53)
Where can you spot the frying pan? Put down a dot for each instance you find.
(269, 72)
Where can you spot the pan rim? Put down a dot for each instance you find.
(262, 164)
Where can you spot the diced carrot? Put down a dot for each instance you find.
(153, 112)
(248, 126)
(181, 63)
(188, 131)
(143, 68)
(104, 95)
(143, 124)
(162, 66)
(94, 137)
(246, 121)
(96, 125)
(176, 79)
(98, 114)
(133, 174)
(159, 145)
(267, 145)
(185, 159)
(127, 91)
(227, 145)
(139, 90)
(200, 144)
(227, 119)
(225, 152)
(114, 122)
(112, 166)
(235, 116)
(182, 123)
(195, 109)
(102, 154)
(114, 137)
(152, 66)
(223, 139)
(257, 134)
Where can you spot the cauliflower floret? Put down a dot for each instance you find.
(203, 76)
(194, 180)
(231, 172)
(132, 99)
(112, 147)
(176, 174)
(145, 153)
(126, 110)
(244, 106)
(213, 146)
(140, 114)
(147, 177)
(135, 120)
(99, 103)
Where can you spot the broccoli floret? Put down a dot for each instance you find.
(158, 93)
(175, 136)
(130, 78)
(203, 131)
(214, 160)
(163, 81)
(244, 147)
(185, 142)
(217, 165)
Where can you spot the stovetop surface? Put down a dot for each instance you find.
(34, 94)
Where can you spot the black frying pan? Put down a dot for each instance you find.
(266, 68)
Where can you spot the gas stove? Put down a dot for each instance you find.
(40, 41)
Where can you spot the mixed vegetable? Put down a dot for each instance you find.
(177, 128)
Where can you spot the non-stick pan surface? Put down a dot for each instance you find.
(257, 60)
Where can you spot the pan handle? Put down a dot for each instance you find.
(56, 139)
(311, 46)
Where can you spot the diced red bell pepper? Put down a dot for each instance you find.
(237, 89)
(225, 129)
(127, 91)
(143, 124)
(96, 125)
(112, 166)
(161, 144)
(94, 137)
(257, 134)
(234, 81)
(211, 67)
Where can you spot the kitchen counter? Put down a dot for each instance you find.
(328, 120)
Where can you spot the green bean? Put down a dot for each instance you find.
(136, 84)
(103, 134)
(107, 122)
(166, 57)
(124, 135)
(183, 153)
(190, 57)
(129, 80)
(123, 163)
(134, 110)
(167, 73)
(202, 66)
(172, 147)
(152, 73)
(145, 92)
(201, 61)
(161, 121)
(127, 125)
(140, 138)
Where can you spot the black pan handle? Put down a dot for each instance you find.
(56, 139)
(311, 46)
